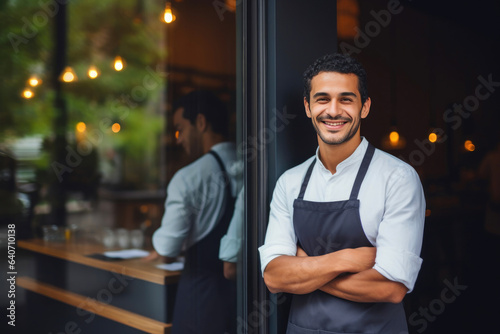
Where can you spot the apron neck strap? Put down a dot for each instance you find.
(362, 171)
(359, 177)
(306, 179)
(227, 180)
(219, 160)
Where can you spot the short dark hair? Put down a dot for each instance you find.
(339, 63)
(205, 103)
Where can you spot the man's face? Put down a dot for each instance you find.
(188, 135)
(335, 107)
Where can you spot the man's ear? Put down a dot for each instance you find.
(201, 122)
(308, 109)
(365, 110)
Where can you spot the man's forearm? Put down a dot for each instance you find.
(366, 286)
(299, 275)
(303, 274)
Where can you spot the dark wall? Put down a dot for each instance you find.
(299, 33)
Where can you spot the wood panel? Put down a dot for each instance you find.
(104, 310)
(77, 252)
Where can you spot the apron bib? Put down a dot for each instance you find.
(325, 227)
(205, 302)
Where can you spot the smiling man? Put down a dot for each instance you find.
(345, 228)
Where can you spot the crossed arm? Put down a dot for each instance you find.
(346, 274)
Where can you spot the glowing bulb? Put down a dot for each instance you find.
(231, 5)
(168, 16)
(433, 137)
(68, 75)
(28, 93)
(394, 137)
(469, 146)
(116, 127)
(393, 141)
(176, 134)
(93, 72)
(34, 81)
(118, 65)
(80, 127)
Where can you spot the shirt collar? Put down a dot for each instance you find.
(355, 157)
(220, 146)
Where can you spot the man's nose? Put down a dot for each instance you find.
(334, 109)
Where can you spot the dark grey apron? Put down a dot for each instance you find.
(206, 301)
(325, 227)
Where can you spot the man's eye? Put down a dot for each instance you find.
(346, 100)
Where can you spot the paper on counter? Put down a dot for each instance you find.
(127, 253)
(174, 266)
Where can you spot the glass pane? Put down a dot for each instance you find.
(109, 111)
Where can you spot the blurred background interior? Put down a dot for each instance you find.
(87, 141)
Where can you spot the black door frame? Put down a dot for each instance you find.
(277, 39)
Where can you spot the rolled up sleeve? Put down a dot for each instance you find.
(280, 236)
(399, 239)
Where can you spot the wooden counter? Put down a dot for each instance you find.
(78, 253)
(123, 296)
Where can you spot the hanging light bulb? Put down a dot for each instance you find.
(68, 75)
(469, 146)
(80, 134)
(394, 137)
(347, 18)
(231, 5)
(116, 127)
(34, 81)
(168, 15)
(81, 127)
(393, 140)
(93, 72)
(436, 135)
(28, 93)
(433, 137)
(119, 64)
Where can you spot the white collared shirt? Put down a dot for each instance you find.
(195, 201)
(392, 210)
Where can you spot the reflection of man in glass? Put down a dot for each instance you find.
(345, 227)
(199, 206)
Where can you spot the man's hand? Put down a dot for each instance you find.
(151, 256)
(154, 255)
(359, 259)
